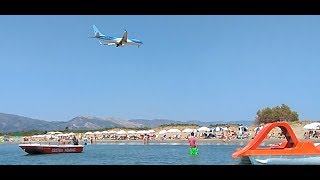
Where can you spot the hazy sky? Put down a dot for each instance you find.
(207, 68)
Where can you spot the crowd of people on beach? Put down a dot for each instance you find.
(225, 134)
(311, 134)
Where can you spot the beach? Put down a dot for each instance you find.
(155, 136)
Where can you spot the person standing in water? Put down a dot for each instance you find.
(193, 145)
(145, 139)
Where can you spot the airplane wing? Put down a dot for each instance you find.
(109, 44)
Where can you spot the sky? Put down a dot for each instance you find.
(205, 68)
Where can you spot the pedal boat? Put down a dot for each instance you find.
(290, 152)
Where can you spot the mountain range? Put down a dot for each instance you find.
(14, 123)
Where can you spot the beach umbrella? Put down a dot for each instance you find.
(203, 128)
(121, 132)
(97, 132)
(143, 132)
(151, 131)
(162, 132)
(104, 132)
(54, 132)
(87, 133)
(312, 126)
(37, 136)
(112, 132)
(187, 130)
(173, 131)
(132, 132)
(225, 128)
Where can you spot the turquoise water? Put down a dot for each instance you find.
(126, 154)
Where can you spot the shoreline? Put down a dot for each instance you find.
(243, 142)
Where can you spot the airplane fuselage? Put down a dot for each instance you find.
(109, 40)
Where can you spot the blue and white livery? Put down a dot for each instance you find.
(109, 40)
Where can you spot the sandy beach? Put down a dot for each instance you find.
(274, 136)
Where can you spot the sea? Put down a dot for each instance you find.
(128, 153)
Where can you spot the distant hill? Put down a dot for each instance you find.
(83, 122)
(13, 123)
(157, 122)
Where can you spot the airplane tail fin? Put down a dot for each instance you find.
(97, 33)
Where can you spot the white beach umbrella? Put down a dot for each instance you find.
(112, 132)
(225, 128)
(312, 126)
(132, 132)
(88, 133)
(203, 128)
(121, 132)
(38, 136)
(173, 131)
(54, 132)
(151, 131)
(104, 132)
(143, 132)
(187, 130)
(162, 132)
(97, 132)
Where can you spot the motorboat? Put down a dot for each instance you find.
(289, 152)
(51, 148)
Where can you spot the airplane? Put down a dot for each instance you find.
(109, 40)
